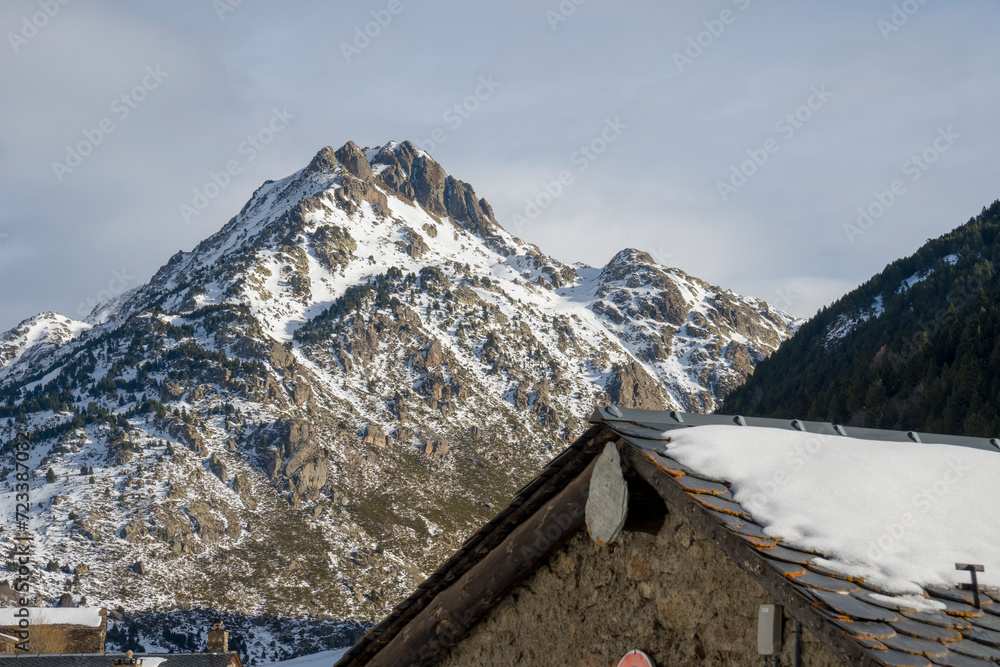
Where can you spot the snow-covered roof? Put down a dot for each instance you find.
(867, 525)
(894, 513)
(322, 659)
(90, 617)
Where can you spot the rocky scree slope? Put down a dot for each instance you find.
(307, 412)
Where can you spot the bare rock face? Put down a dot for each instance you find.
(218, 467)
(299, 431)
(419, 177)
(398, 161)
(435, 355)
(354, 191)
(280, 356)
(354, 160)
(375, 436)
(437, 449)
(301, 393)
(428, 179)
(416, 247)
(187, 433)
(325, 161)
(306, 451)
(334, 246)
(308, 481)
(631, 386)
(473, 214)
(272, 462)
(242, 486)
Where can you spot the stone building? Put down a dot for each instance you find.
(619, 546)
(74, 637)
(115, 659)
(54, 629)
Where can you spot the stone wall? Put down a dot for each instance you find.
(673, 595)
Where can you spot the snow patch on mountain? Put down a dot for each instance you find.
(845, 324)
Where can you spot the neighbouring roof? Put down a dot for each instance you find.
(91, 617)
(855, 531)
(105, 660)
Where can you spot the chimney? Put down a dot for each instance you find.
(218, 639)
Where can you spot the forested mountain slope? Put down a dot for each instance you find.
(917, 347)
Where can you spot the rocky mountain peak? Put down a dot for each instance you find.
(631, 257)
(324, 162)
(354, 161)
(361, 351)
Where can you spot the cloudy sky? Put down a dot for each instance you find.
(735, 139)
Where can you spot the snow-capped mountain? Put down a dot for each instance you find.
(305, 413)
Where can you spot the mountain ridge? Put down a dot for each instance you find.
(362, 351)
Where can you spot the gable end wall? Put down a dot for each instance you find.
(673, 595)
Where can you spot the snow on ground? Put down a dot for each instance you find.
(917, 277)
(324, 659)
(898, 514)
(845, 324)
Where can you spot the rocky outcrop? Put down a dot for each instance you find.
(325, 161)
(243, 488)
(272, 462)
(218, 467)
(354, 161)
(280, 356)
(420, 178)
(375, 436)
(437, 449)
(434, 355)
(415, 246)
(630, 386)
(186, 433)
(334, 246)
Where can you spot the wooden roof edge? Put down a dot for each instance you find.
(797, 604)
(671, 419)
(566, 467)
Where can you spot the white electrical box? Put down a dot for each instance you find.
(769, 629)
